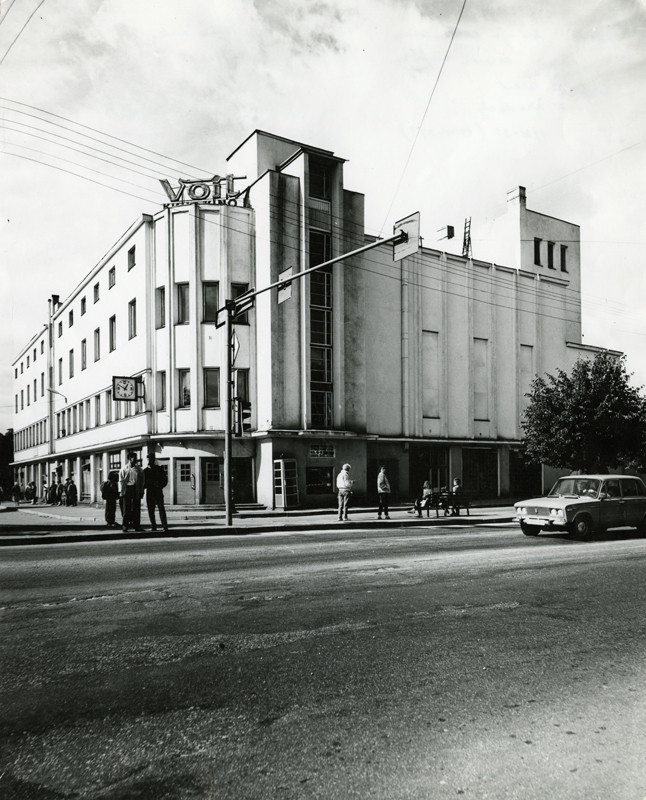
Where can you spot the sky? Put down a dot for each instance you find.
(544, 94)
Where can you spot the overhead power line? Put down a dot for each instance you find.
(21, 30)
(437, 80)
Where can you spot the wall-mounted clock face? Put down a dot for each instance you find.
(124, 388)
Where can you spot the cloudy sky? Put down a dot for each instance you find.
(542, 93)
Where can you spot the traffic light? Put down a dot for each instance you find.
(241, 416)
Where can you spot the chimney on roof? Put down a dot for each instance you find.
(518, 194)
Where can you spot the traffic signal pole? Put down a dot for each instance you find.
(234, 308)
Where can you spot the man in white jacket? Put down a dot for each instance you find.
(383, 489)
(344, 485)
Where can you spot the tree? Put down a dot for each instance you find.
(589, 421)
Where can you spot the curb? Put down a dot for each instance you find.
(245, 530)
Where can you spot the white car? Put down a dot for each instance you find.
(582, 504)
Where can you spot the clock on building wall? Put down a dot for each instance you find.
(124, 388)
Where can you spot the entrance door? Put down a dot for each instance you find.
(85, 481)
(242, 474)
(213, 480)
(185, 481)
(164, 464)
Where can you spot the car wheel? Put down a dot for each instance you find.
(641, 528)
(530, 530)
(581, 529)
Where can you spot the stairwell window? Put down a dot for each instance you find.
(212, 387)
(210, 292)
(182, 304)
(71, 364)
(84, 354)
(131, 258)
(184, 384)
(550, 255)
(112, 277)
(97, 344)
(160, 307)
(563, 258)
(537, 251)
(132, 319)
(236, 290)
(112, 330)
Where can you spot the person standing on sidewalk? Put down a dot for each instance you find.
(155, 479)
(110, 493)
(344, 486)
(131, 478)
(16, 492)
(383, 489)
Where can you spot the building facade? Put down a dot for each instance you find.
(421, 365)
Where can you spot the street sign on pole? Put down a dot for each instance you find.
(285, 289)
(410, 227)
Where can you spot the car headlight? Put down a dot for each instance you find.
(556, 512)
(522, 511)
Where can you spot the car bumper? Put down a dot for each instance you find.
(546, 523)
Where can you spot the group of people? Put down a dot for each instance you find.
(449, 501)
(128, 487)
(63, 494)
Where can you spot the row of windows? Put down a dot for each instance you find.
(112, 342)
(320, 330)
(538, 248)
(22, 363)
(31, 436)
(210, 303)
(112, 280)
(28, 392)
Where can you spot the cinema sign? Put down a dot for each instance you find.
(216, 191)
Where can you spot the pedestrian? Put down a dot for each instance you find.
(344, 486)
(72, 492)
(383, 490)
(155, 479)
(131, 478)
(110, 493)
(15, 493)
(456, 497)
(34, 493)
(29, 494)
(61, 493)
(423, 501)
(51, 494)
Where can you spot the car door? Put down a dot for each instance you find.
(634, 496)
(612, 506)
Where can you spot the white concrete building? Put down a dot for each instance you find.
(421, 364)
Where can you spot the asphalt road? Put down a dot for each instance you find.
(424, 663)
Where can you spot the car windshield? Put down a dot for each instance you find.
(575, 487)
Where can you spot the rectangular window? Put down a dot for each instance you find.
(321, 364)
(84, 354)
(132, 319)
(236, 290)
(70, 319)
(161, 390)
(182, 304)
(550, 255)
(241, 384)
(28, 401)
(537, 251)
(480, 379)
(563, 258)
(34, 353)
(22, 367)
(16, 404)
(112, 277)
(83, 305)
(108, 406)
(96, 292)
(60, 371)
(71, 358)
(58, 426)
(212, 387)
(97, 410)
(184, 383)
(112, 330)
(320, 331)
(97, 344)
(210, 301)
(35, 390)
(60, 332)
(15, 373)
(81, 417)
(27, 362)
(321, 409)
(75, 419)
(131, 258)
(42, 347)
(42, 384)
(114, 460)
(160, 307)
(87, 413)
(319, 175)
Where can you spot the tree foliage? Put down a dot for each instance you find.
(592, 420)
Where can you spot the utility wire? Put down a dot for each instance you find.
(437, 80)
(21, 30)
(7, 12)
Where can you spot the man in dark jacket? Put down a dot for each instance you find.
(154, 480)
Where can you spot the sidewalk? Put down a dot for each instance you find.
(58, 524)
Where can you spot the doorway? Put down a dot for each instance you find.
(185, 481)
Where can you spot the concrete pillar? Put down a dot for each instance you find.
(504, 481)
(455, 464)
(93, 471)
